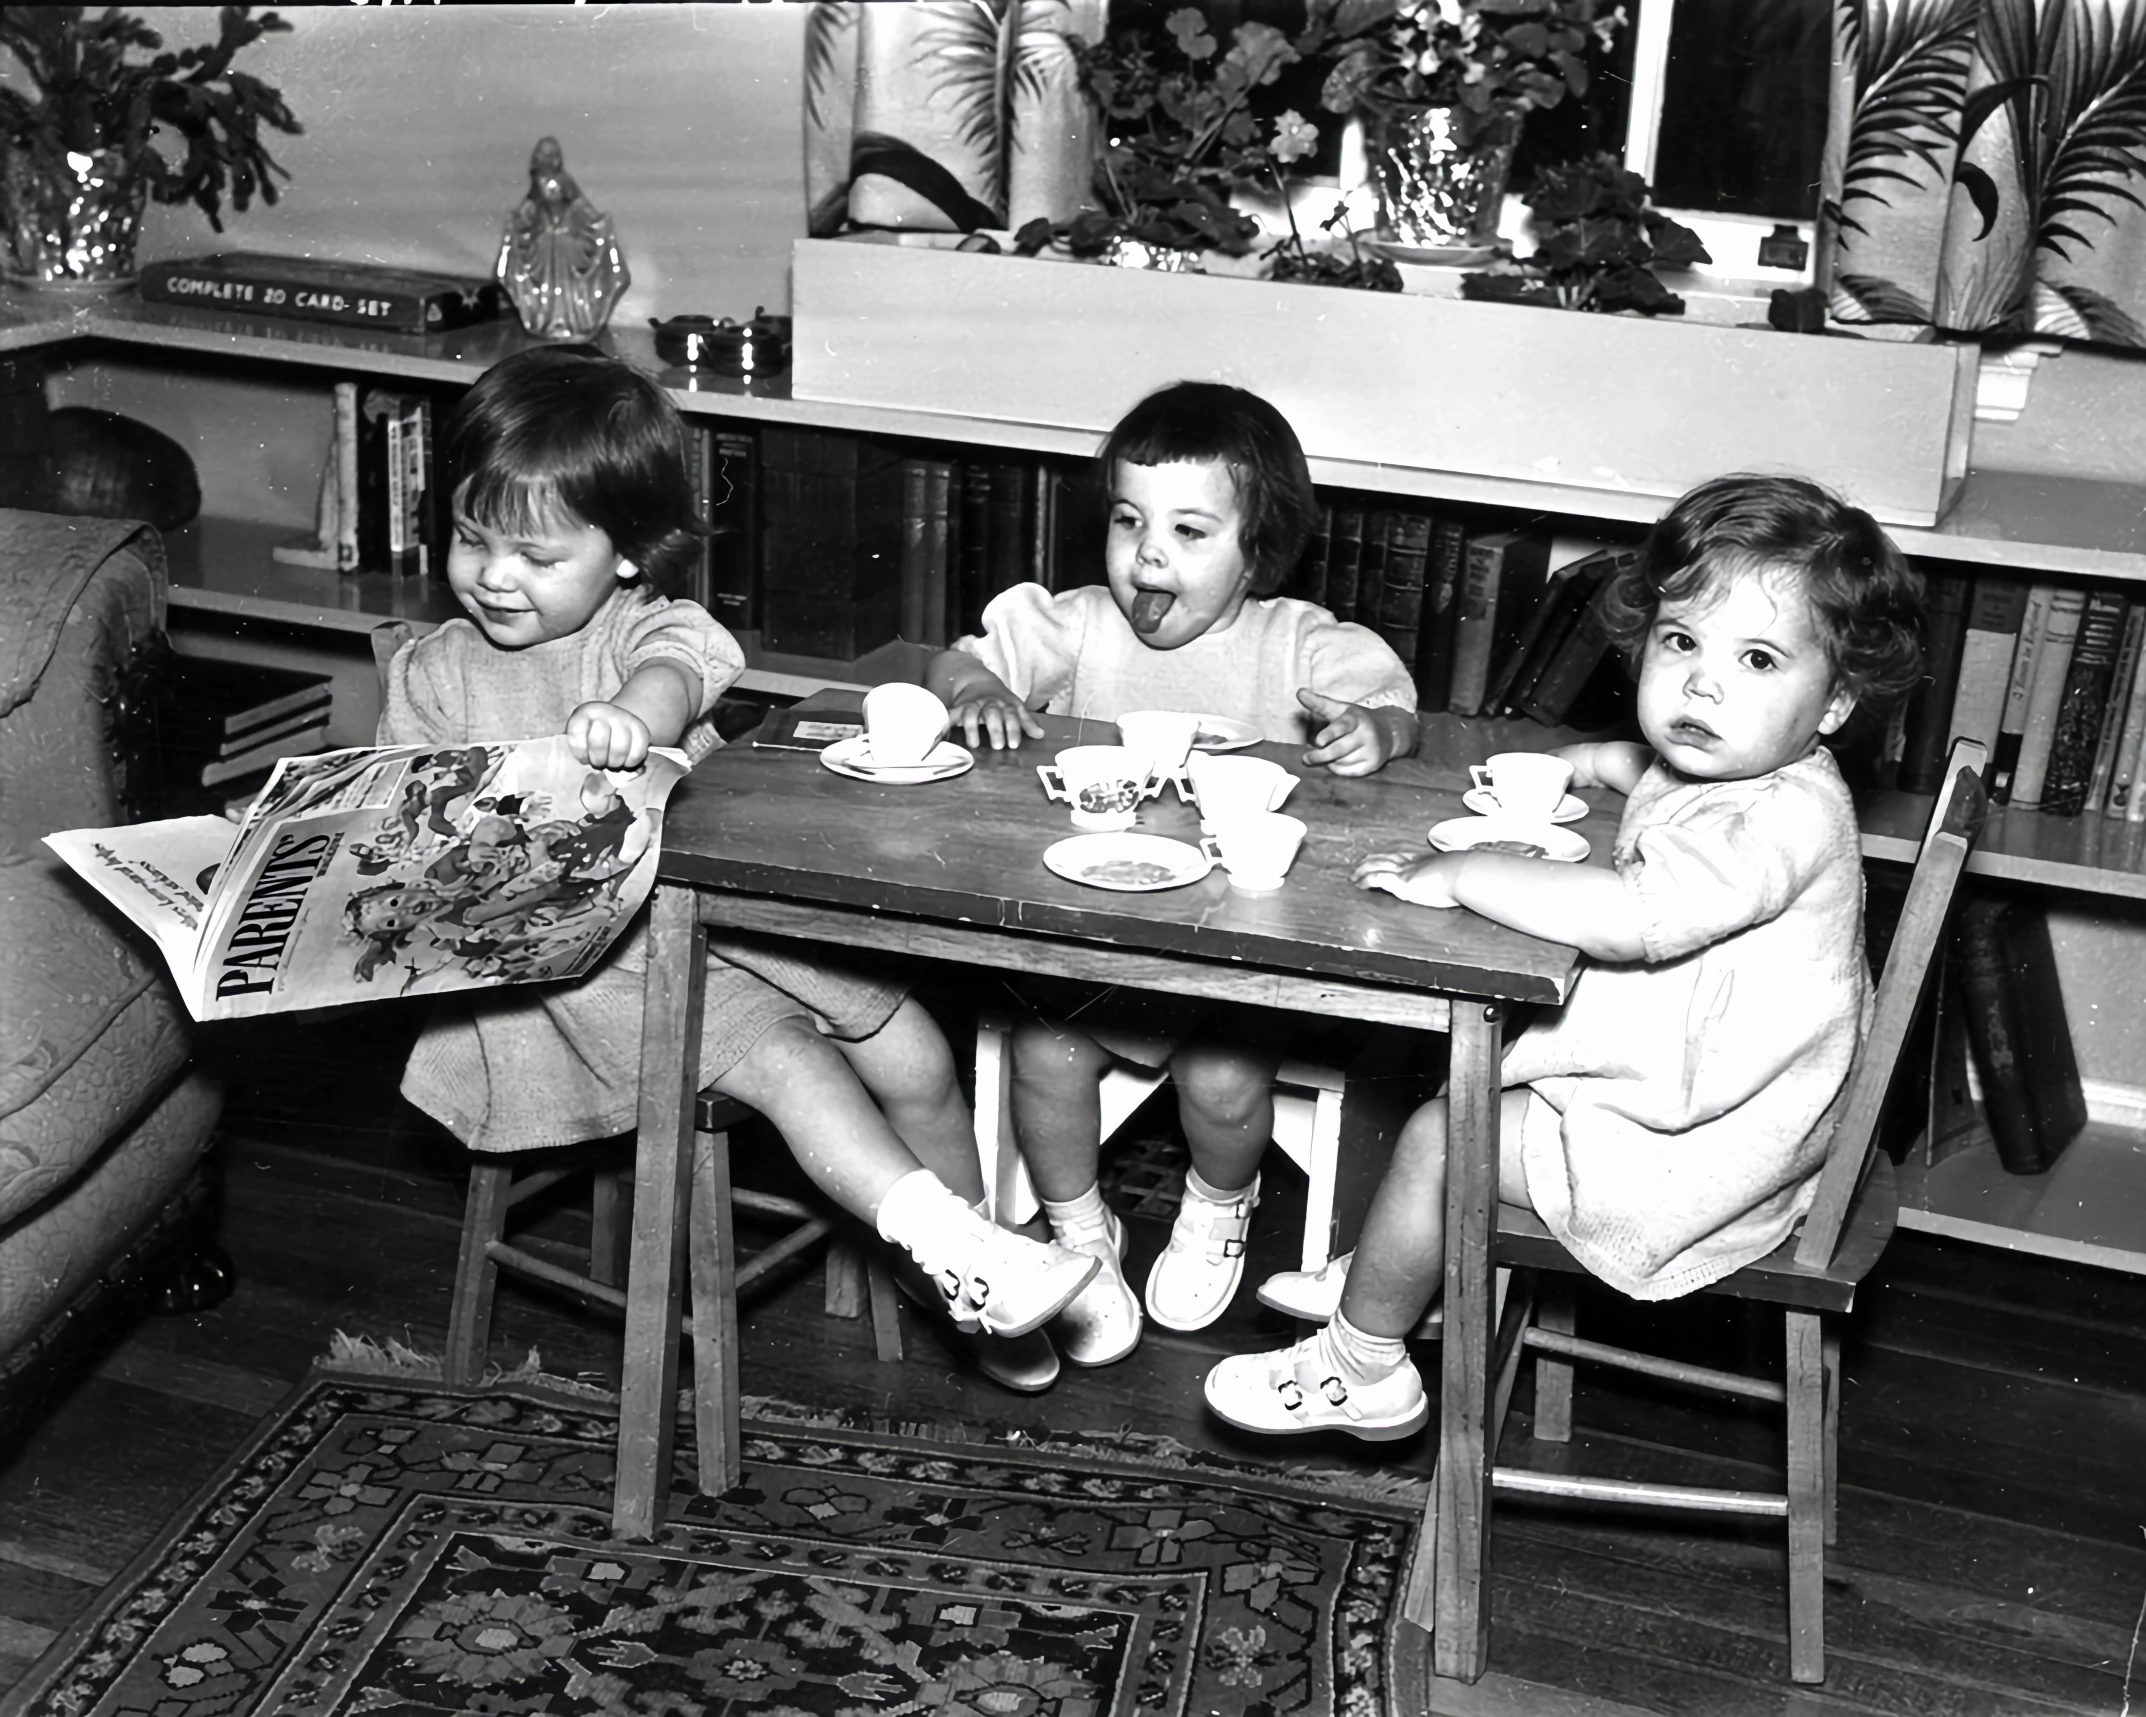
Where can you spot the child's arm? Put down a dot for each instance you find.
(1583, 906)
(653, 707)
(1615, 764)
(1354, 739)
(980, 702)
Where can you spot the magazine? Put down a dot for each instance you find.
(401, 870)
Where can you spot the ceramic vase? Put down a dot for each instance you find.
(1123, 252)
(1440, 174)
(74, 220)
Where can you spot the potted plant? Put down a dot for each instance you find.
(1442, 87)
(1597, 245)
(108, 129)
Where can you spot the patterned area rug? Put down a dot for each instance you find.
(383, 1547)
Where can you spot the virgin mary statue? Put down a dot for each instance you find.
(559, 259)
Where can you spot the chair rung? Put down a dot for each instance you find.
(1633, 1491)
(768, 1204)
(792, 1243)
(529, 1185)
(1704, 1377)
(528, 1264)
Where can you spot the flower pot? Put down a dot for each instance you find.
(1440, 175)
(72, 220)
(1629, 410)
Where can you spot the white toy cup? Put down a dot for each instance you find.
(1162, 736)
(1103, 783)
(902, 723)
(1256, 848)
(1235, 786)
(1529, 785)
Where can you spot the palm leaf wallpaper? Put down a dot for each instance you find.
(946, 115)
(1986, 166)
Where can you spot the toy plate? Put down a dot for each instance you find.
(853, 757)
(1471, 834)
(1128, 863)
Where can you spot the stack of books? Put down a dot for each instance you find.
(380, 507)
(224, 724)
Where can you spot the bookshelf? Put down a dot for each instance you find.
(2001, 519)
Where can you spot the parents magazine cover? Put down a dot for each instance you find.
(400, 870)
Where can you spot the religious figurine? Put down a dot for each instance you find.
(559, 260)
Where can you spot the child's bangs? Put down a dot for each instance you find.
(514, 503)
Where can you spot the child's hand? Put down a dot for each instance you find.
(1351, 740)
(604, 736)
(1422, 879)
(998, 714)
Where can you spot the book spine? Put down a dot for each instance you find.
(2052, 669)
(734, 517)
(2115, 710)
(1474, 636)
(1345, 562)
(2081, 704)
(1311, 569)
(2049, 1066)
(1408, 554)
(2124, 777)
(2019, 687)
(1575, 661)
(1926, 735)
(1441, 613)
(1570, 595)
(355, 304)
(1371, 568)
(973, 569)
(1978, 963)
(938, 583)
(1012, 497)
(346, 476)
(1042, 523)
(916, 497)
(699, 460)
(1993, 619)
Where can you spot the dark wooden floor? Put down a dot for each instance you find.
(1992, 1554)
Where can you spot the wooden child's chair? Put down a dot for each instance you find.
(1307, 1126)
(1811, 1276)
(853, 1284)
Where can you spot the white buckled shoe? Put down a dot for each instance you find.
(996, 1282)
(1300, 1389)
(1196, 1277)
(1102, 1324)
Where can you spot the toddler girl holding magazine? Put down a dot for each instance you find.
(570, 501)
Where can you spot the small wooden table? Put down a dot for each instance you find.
(770, 841)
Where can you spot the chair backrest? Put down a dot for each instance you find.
(1957, 818)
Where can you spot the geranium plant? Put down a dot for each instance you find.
(1181, 137)
(1597, 244)
(95, 100)
(1479, 57)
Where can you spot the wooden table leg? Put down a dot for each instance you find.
(1460, 1635)
(655, 1280)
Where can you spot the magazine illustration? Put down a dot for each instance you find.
(389, 871)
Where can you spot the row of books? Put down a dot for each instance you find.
(380, 508)
(1491, 622)
(223, 724)
(2051, 677)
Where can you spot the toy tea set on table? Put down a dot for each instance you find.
(1518, 802)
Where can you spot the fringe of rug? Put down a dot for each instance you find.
(362, 1355)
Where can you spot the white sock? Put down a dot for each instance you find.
(1360, 1357)
(1201, 1187)
(916, 1208)
(1082, 1217)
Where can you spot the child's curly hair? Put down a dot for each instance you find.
(1198, 421)
(571, 431)
(1865, 597)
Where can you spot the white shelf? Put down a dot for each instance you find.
(2089, 1207)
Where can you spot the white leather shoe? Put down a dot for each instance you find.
(996, 1282)
(1102, 1324)
(1300, 1389)
(1196, 1277)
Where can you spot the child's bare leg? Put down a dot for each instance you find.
(1225, 1102)
(908, 1067)
(1057, 1117)
(1057, 1108)
(994, 1281)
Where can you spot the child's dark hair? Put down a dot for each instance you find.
(569, 430)
(1190, 421)
(1865, 597)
